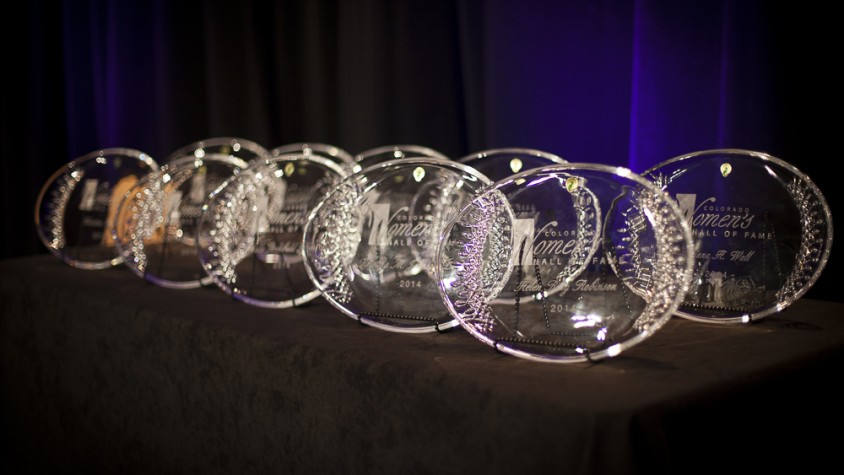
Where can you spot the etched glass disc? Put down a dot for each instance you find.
(75, 208)
(762, 228)
(370, 245)
(251, 229)
(156, 224)
(566, 263)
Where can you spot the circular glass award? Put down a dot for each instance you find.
(499, 163)
(75, 208)
(250, 234)
(331, 152)
(370, 245)
(385, 153)
(763, 232)
(234, 147)
(155, 227)
(566, 263)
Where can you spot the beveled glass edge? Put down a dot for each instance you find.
(188, 150)
(294, 156)
(551, 157)
(421, 149)
(341, 155)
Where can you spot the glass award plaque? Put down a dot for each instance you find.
(155, 227)
(567, 263)
(251, 229)
(331, 152)
(234, 147)
(370, 245)
(763, 232)
(385, 153)
(75, 208)
(499, 163)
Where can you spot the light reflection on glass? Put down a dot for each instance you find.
(418, 174)
(515, 165)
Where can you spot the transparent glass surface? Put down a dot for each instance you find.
(156, 225)
(75, 208)
(762, 229)
(328, 151)
(386, 153)
(499, 163)
(234, 147)
(370, 245)
(251, 229)
(566, 263)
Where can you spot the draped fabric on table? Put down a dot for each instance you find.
(627, 83)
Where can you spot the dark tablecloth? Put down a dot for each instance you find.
(103, 372)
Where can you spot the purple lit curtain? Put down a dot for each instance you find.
(627, 83)
(619, 82)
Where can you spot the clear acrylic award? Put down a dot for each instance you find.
(370, 245)
(374, 156)
(75, 208)
(155, 228)
(567, 263)
(499, 163)
(250, 233)
(763, 232)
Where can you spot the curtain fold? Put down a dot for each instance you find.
(626, 83)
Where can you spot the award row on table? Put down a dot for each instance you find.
(535, 256)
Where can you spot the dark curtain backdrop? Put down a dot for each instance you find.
(628, 83)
